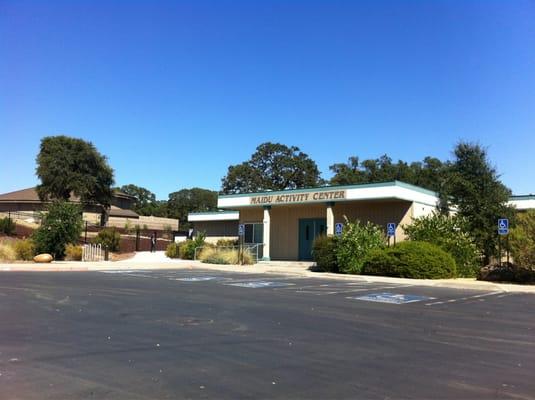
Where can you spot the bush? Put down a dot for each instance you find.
(108, 238)
(354, 244)
(187, 248)
(61, 225)
(227, 242)
(451, 235)
(7, 253)
(324, 253)
(381, 262)
(73, 252)
(7, 226)
(173, 250)
(420, 260)
(522, 239)
(24, 249)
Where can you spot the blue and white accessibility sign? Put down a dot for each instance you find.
(503, 226)
(391, 229)
(338, 228)
(241, 229)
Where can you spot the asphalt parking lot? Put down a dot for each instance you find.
(208, 334)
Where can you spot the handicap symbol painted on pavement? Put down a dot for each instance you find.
(196, 279)
(259, 284)
(391, 298)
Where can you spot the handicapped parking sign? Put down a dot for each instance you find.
(241, 229)
(391, 229)
(338, 228)
(503, 226)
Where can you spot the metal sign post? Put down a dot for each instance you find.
(391, 232)
(503, 230)
(241, 234)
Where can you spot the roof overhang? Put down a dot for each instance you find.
(522, 202)
(379, 191)
(214, 216)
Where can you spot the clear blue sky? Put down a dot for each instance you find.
(175, 92)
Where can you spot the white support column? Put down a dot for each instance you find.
(330, 219)
(267, 230)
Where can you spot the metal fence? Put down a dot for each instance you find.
(32, 217)
(92, 252)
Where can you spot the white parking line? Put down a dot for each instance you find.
(477, 296)
(345, 290)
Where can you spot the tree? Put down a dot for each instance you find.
(429, 174)
(61, 225)
(273, 166)
(449, 233)
(145, 203)
(190, 200)
(522, 239)
(473, 187)
(68, 165)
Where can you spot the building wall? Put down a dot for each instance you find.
(378, 212)
(151, 223)
(217, 229)
(285, 220)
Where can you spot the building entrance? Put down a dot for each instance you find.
(309, 229)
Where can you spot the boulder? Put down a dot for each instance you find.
(497, 273)
(43, 258)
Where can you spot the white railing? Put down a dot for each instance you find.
(92, 252)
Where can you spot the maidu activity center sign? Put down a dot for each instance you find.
(298, 197)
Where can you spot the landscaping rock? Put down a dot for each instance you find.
(507, 273)
(43, 258)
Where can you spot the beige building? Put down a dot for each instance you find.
(216, 225)
(285, 223)
(523, 203)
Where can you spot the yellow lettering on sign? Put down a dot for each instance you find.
(298, 197)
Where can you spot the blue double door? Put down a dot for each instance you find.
(309, 229)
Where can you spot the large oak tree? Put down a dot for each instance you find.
(68, 165)
(273, 166)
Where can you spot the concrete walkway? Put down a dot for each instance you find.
(157, 260)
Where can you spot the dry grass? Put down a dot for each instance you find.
(7, 252)
(224, 256)
(73, 252)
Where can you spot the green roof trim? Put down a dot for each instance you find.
(328, 188)
(523, 197)
(213, 212)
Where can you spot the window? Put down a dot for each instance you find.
(254, 233)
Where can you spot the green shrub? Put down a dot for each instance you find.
(411, 259)
(522, 239)
(354, 244)
(324, 253)
(381, 262)
(73, 252)
(173, 250)
(61, 225)
(24, 249)
(450, 234)
(227, 242)
(7, 226)
(187, 248)
(108, 238)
